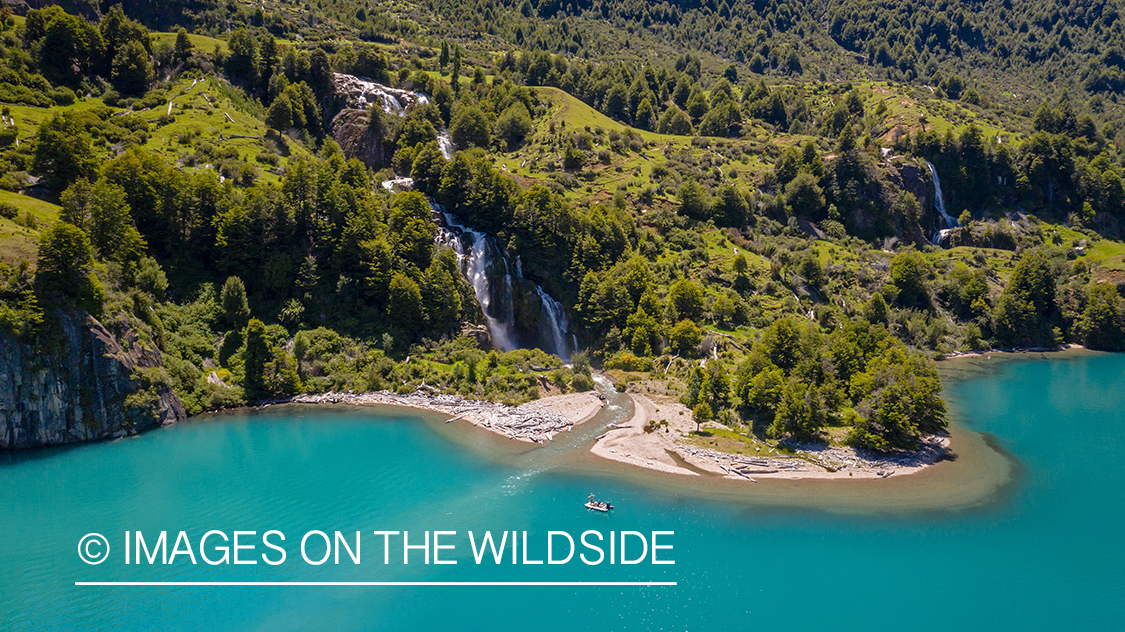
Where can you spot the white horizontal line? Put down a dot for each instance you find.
(375, 583)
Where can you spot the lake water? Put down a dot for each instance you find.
(1022, 531)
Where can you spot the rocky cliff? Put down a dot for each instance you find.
(357, 139)
(78, 383)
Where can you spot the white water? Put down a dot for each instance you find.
(554, 318)
(486, 268)
(947, 221)
(402, 183)
(446, 145)
(477, 253)
(363, 93)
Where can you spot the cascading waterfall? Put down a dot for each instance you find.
(947, 221)
(478, 256)
(487, 269)
(446, 144)
(555, 322)
(363, 93)
(481, 260)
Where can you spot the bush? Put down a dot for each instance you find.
(8, 211)
(581, 383)
(684, 336)
(151, 278)
(514, 125)
(62, 96)
(627, 361)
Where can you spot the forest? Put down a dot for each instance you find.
(784, 211)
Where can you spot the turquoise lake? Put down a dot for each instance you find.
(1040, 549)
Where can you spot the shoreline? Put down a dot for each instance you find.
(1010, 351)
(537, 421)
(663, 450)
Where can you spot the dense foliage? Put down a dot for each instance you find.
(744, 213)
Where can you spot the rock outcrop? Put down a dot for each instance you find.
(911, 178)
(80, 385)
(352, 131)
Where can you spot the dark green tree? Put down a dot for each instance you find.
(1103, 321)
(729, 207)
(404, 305)
(693, 200)
(804, 196)
(65, 267)
(132, 69)
(64, 151)
(455, 76)
(674, 121)
(684, 336)
(255, 359)
(183, 48)
(280, 115)
(909, 271)
(110, 224)
(1026, 309)
(514, 125)
(470, 128)
(242, 57)
(232, 298)
(411, 229)
(686, 298)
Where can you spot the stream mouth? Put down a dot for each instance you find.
(998, 538)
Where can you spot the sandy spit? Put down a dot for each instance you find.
(666, 450)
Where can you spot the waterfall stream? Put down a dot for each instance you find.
(494, 282)
(947, 221)
(497, 283)
(445, 142)
(363, 93)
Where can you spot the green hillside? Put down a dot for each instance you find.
(736, 201)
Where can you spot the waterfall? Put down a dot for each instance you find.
(947, 221)
(478, 255)
(555, 322)
(446, 144)
(362, 93)
(402, 183)
(487, 269)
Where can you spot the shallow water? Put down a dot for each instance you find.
(1025, 536)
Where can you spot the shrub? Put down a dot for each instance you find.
(581, 383)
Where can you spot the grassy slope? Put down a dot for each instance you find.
(194, 109)
(19, 239)
(192, 112)
(200, 110)
(904, 106)
(200, 42)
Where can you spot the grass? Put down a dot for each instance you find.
(19, 238)
(1105, 257)
(726, 440)
(199, 112)
(199, 42)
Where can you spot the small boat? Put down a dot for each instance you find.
(598, 505)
